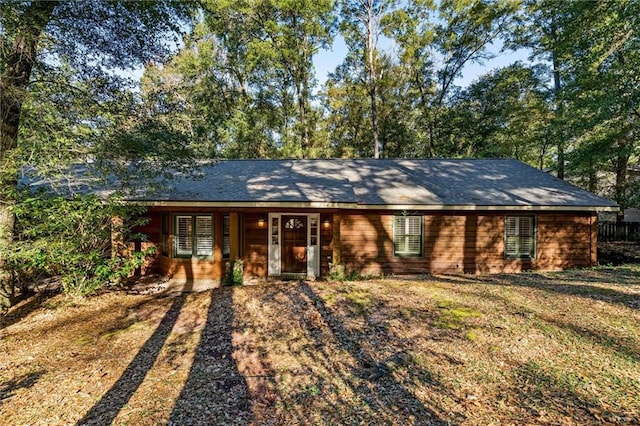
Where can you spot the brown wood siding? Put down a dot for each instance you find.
(254, 243)
(326, 248)
(454, 242)
(465, 243)
(255, 250)
(182, 268)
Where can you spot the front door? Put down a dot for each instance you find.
(294, 244)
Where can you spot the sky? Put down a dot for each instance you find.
(326, 61)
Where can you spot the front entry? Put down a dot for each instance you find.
(294, 245)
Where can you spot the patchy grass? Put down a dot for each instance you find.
(553, 348)
(454, 316)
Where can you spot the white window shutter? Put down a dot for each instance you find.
(204, 235)
(184, 236)
(407, 235)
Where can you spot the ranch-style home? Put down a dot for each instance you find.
(295, 218)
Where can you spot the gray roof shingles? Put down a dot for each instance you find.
(437, 182)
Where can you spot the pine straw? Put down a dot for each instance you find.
(561, 348)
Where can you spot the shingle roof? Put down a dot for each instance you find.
(401, 182)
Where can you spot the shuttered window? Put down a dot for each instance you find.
(520, 237)
(184, 236)
(204, 236)
(193, 235)
(407, 236)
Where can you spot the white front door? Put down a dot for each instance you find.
(301, 232)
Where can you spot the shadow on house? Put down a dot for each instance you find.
(215, 391)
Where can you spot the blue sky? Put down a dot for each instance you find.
(326, 61)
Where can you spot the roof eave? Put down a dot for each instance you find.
(248, 204)
(473, 207)
(343, 205)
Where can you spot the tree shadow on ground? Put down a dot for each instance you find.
(26, 381)
(624, 346)
(23, 308)
(572, 283)
(540, 389)
(215, 392)
(106, 410)
(387, 400)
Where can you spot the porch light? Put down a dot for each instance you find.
(261, 222)
(325, 223)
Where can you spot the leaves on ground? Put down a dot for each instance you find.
(553, 348)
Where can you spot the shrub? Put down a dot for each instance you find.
(337, 272)
(234, 274)
(74, 239)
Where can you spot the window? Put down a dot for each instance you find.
(226, 241)
(194, 236)
(520, 237)
(407, 236)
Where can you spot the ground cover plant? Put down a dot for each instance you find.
(534, 348)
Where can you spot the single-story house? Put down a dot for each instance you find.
(295, 218)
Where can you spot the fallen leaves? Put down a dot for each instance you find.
(562, 348)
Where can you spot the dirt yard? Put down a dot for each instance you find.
(556, 348)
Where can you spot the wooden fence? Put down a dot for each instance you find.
(618, 231)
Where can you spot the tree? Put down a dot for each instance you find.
(91, 39)
(348, 110)
(436, 51)
(603, 92)
(242, 84)
(505, 113)
(361, 27)
(547, 29)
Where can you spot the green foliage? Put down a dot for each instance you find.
(72, 239)
(241, 87)
(505, 113)
(234, 272)
(337, 272)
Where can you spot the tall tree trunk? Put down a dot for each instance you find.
(13, 84)
(559, 112)
(372, 79)
(304, 97)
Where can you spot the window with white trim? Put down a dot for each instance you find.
(407, 236)
(193, 235)
(520, 237)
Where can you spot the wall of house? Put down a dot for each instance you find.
(253, 245)
(454, 242)
(465, 242)
(181, 269)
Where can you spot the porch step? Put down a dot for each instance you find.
(291, 276)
